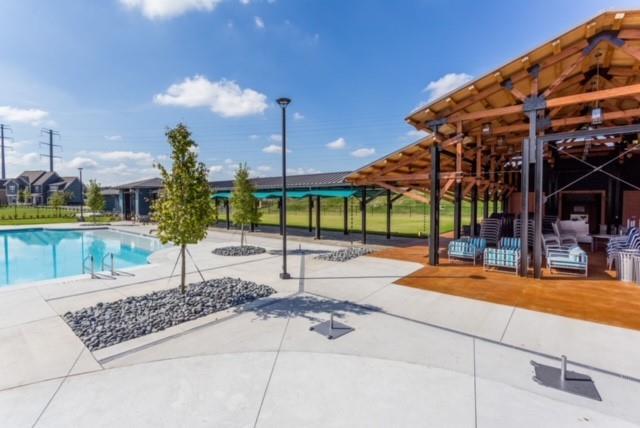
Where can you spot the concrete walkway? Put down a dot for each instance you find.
(416, 358)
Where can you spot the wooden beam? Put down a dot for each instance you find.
(409, 193)
(447, 186)
(564, 75)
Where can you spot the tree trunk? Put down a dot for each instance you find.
(183, 274)
(242, 235)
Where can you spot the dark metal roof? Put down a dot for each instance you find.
(324, 180)
(149, 183)
(44, 177)
(32, 176)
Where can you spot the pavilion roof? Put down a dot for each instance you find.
(596, 64)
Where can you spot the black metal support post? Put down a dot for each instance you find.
(345, 216)
(474, 209)
(280, 218)
(524, 195)
(388, 214)
(457, 211)
(539, 210)
(494, 202)
(317, 203)
(226, 212)
(434, 217)
(485, 207)
(310, 206)
(363, 212)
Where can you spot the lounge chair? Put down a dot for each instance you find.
(467, 248)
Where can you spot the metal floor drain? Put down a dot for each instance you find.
(564, 380)
(331, 329)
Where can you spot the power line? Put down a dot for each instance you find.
(51, 133)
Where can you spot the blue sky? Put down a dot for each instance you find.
(112, 75)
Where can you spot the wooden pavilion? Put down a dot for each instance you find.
(565, 115)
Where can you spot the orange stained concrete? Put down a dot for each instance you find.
(600, 298)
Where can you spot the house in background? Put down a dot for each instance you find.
(136, 198)
(43, 185)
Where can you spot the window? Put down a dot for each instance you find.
(12, 188)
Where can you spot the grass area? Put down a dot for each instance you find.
(408, 218)
(25, 215)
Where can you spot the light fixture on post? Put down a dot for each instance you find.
(81, 196)
(283, 103)
(486, 128)
(596, 111)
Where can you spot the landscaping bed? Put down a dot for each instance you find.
(107, 324)
(236, 250)
(345, 254)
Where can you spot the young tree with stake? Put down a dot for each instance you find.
(183, 210)
(243, 203)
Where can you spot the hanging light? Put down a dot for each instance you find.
(596, 111)
(486, 128)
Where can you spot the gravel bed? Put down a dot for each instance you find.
(345, 254)
(107, 324)
(247, 250)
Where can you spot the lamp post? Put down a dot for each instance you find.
(81, 196)
(284, 102)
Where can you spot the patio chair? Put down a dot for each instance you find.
(505, 257)
(466, 248)
(630, 241)
(490, 230)
(573, 258)
(563, 238)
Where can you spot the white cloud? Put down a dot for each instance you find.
(245, 2)
(165, 9)
(113, 137)
(228, 161)
(274, 148)
(224, 97)
(264, 168)
(338, 144)
(275, 138)
(298, 116)
(140, 158)
(258, 21)
(414, 133)
(363, 153)
(81, 162)
(301, 171)
(446, 84)
(214, 169)
(254, 136)
(31, 116)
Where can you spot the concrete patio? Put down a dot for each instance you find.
(416, 357)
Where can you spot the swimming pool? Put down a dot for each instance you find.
(28, 255)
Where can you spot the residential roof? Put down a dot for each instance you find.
(149, 183)
(32, 176)
(593, 64)
(110, 191)
(325, 179)
(44, 177)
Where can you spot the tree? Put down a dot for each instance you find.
(183, 210)
(243, 203)
(57, 200)
(95, 199)
(26, 195)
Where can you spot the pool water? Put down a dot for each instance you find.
(39, 254)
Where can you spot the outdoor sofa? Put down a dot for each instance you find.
(506, 256)
(467, 248)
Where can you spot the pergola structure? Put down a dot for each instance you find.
(576, 97)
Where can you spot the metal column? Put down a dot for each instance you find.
(363, 212)
(226, 211)
(345, 216)
(485, 207)
(317, 203)
(524, 196)
(310, 201)
(539, 209)
(494, 201)
(388, 214)
(457, 211)
(434, 217)
(474, 209)
(280, 215)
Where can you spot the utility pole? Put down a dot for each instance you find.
(2, 147)
(50, 133)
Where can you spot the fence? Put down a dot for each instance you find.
(16, 212)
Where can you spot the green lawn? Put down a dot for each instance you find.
(408, 217)
(25, 215)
